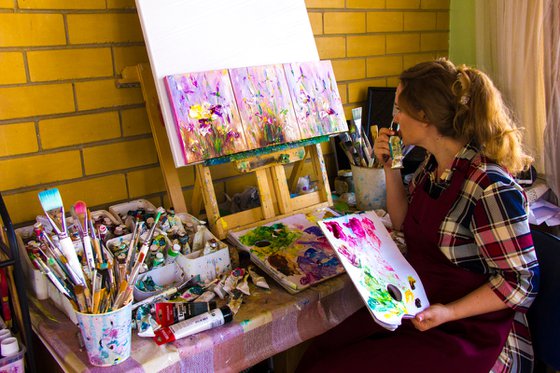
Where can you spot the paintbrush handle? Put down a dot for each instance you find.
(69, 251)
(86, 240)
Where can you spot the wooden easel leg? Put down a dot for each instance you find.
(320, 170)
(266, 197)
(204, 179)
(296, 172)
(197, 197)
(281, 189)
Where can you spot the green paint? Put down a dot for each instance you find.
(278, 235)
(462, 32)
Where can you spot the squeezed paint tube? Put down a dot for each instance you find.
(197, 324)
(169, 313)
(243, 285)
(207, 296)
(257, 279)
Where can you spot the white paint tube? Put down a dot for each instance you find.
(197, 324)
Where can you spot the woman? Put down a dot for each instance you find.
(465, 223)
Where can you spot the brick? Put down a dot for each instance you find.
(8, 4)
(383, 66)
(23, 207)
(28, 101)
(44, 168)
(69, 64)
(316, 21)
(349, 69)
(413, 59)
(13, 68)
(106, 190)
(403, 4)
(442, 21)
(331, 46)
(61, 4)
(324, 4)
(18, 138)
(418, 21)
(104, 93)
(80, 129)
(403, 43)
(393, 81)
(358, 91)
(104, 28)
(365, 4)
(121, 4)
(434, 41)
(348, 110)
(343, 92)
(345, 23)
(135, 122)
(187, 195)
(366, 45)
(24, 29)
(143, 182)
(384, 21)
(434, 4)
(129, 56)
(119, 156)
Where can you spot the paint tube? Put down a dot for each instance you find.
(207, 296)
(243, 285)
(169, 313)
(197, 324)
(257, 279)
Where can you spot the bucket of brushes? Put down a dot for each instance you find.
(107, 336)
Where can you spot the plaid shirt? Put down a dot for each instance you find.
(487, 231)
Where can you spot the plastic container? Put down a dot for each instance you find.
(166, 276)
(121, 210)
(14, 363)
(371, 192)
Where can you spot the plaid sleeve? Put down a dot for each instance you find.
(501, 231)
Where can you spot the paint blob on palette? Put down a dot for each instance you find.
(293, 250)
(265, 106)
(315, 96)
(387, 283)
(206, 115)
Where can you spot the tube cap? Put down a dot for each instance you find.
(227, 314)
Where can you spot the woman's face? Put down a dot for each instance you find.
(411, 129)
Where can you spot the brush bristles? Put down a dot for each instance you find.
(50, 199)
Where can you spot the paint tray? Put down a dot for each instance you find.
(166, 276)
(387, 283)
(292, 250)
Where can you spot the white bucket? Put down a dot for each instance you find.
(371, 191)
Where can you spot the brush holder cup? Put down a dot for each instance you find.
(371, 192)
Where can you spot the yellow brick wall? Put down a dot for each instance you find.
(64, 123)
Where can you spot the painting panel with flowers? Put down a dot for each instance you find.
(205, 114)
(265, 106)
(315, 96)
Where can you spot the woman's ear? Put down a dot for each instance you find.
(423, 117)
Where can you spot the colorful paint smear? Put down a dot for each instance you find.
(387, 283)
(264, 103)
(206, 115)
(315, 96)
(292, 250)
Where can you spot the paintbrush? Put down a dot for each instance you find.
(127, 286)
(80, 214)
(57, 282)
(165, 293)
(54, 210)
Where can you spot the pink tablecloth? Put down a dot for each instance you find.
(268, 322)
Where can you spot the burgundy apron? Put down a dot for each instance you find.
(482, 337)
(470, 345)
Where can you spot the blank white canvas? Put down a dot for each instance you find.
(201, 35)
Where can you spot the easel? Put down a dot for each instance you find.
(274, 188)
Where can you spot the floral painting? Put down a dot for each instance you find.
(205, 114)
(264, 103)
(316, 100)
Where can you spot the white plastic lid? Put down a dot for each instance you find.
(9, 346)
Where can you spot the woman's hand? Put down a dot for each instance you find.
(432, 316)
(381, 147)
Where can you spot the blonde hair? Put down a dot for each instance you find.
(463, 103)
